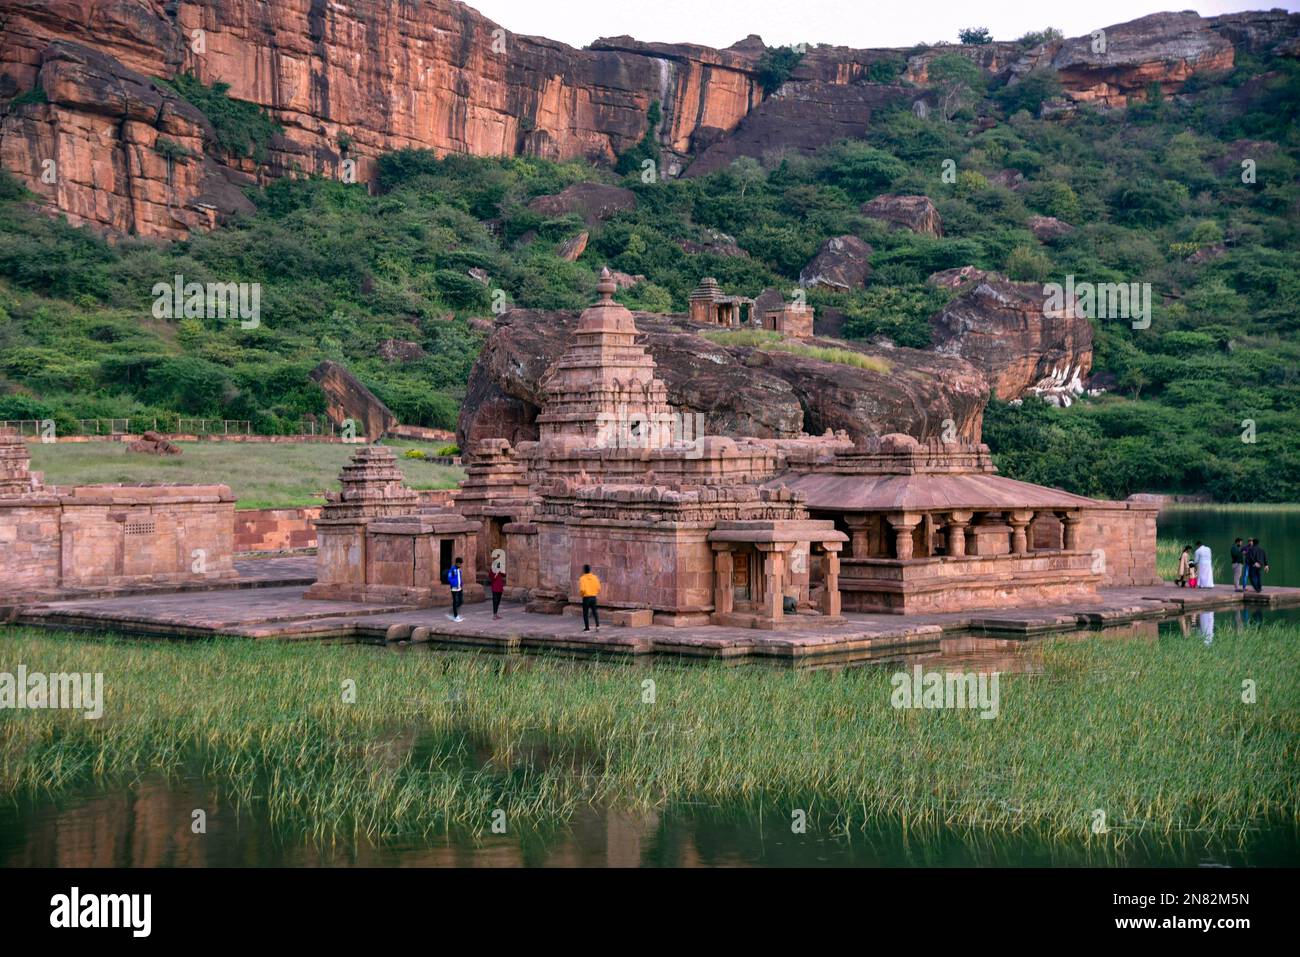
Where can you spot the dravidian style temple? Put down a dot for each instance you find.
(692, 529)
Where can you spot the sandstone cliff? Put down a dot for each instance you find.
(380, 75)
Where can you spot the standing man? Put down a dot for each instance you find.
(1204, 566)
(1256, 564)
(1238, 566)
(455, 579)
(589, 588)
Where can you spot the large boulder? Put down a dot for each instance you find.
(843, 262)
(593, 202)
(914, 213)
(1048, 229)
(1005, 329)
(346, 398)
(741, 390)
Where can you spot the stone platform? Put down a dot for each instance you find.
(279, 611)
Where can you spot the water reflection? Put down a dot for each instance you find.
(149, 825)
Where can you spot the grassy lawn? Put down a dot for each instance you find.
(262, 475)
(1153, 733)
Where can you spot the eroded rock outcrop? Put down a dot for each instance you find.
(110, 148)
(348, 400)
(1123, 61)
(843, 262)
(914, 213)
(740, 390)
(592, 202)
(1004, 329)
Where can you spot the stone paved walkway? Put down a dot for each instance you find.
(280, 611)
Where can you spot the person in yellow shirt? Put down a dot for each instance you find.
(589, 588)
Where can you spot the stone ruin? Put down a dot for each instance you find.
(154, 443)
(55, 539)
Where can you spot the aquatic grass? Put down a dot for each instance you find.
(1152, 733)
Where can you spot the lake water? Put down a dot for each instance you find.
(148, 823)
(1277, 529)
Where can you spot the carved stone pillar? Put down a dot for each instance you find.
(1070, 531)
(773, 572)
(859, 535)
(1019, 522)
(903, 524)
(956, 533)
(723, 595)
(831, 594)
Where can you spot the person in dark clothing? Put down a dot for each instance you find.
(1238, 565)
(1256, 564)
(455, 579)
(497, 583)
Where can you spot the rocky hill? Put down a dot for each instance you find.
(349, 81)
(741, 388)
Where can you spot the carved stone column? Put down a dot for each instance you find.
(859, 535)
(1070, 530)
(956, 533)
(903, 524)
(723, 595)
(831, 594)
(1019, 522)
(773, 572)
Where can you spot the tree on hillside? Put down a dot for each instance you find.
(955, 78)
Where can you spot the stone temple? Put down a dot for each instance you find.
(686, 528)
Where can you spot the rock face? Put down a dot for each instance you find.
(915, 213)
(843, 262)
(740, 390)
(110, 148)
(573, 247)
(346, 398)
(1163, 48)
(1047, 229)
(594, 202)
(400, 350)
(436, 74)
(800, 118)
(1001, 327)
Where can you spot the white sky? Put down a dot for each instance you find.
(852, 23)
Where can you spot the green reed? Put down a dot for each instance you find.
(1154, 733)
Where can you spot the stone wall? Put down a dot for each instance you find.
(275, 529)
(1123, 535)
(116, 535)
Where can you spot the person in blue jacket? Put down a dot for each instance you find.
(455, 579)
